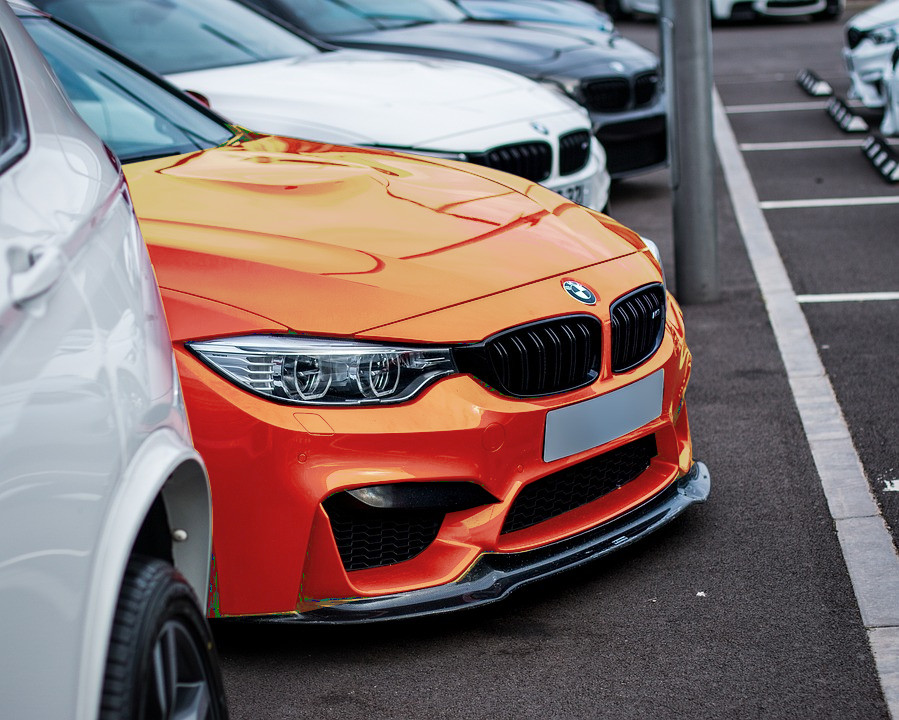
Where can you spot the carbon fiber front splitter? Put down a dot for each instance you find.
(495, 575)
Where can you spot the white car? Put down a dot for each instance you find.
(260, 75)
(870, 37)
(104, 503)
(890, 123)
(731, 9)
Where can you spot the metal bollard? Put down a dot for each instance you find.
(685, 35)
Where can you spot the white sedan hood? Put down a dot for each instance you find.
(367, 97)
(884, 13)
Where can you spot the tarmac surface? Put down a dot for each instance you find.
(743, 607)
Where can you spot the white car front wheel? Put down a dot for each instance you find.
(161, 663)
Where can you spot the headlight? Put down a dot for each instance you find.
(883, 35)
(654, 249)
(566, 86)
(443, 155)
(568, 90)
(314, 371)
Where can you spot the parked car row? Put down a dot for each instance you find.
(416, 383)
(616, 80)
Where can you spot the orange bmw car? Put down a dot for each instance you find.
(417, 384)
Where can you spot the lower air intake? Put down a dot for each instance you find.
(580, 484)
(368, 538)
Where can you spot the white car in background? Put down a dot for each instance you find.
(733, 9)
(890, 123)
(105, 518)
(870, 37)
(260, 75)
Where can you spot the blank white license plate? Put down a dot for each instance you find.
(591, 423)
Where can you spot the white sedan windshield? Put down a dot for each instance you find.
(134, 116)
(172, 36)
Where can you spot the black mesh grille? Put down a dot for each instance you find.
(532, 161)
(606, 94)
(645, 87)
(634, 144)
(580, 484)
(574, 151)
(544, 358)
(369, 538)
(638, 321)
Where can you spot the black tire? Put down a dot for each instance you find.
(162, 660)
(613, 7)
(830, 13)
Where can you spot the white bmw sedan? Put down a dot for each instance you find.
(258, 74)
(870, 38)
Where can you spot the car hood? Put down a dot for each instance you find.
(886, 13)
(538, 52)
(336, 240)
(363, 97)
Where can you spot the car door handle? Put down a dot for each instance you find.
(45, 268)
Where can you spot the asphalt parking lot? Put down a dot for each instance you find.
(744, 606)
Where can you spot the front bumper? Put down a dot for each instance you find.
(276, 469)
(635, 139)
(774, 8)
(866, 64)
(634, 146)
(495, 575)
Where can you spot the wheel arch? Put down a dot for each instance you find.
(163, 489)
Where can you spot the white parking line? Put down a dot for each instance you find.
(828, 202)
(848, 297)
(864, 539)
(775, 107)
(801, 145)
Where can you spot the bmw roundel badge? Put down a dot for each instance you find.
(579, 292)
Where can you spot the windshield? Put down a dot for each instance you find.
(134, 116)
(172, 36)
(538, 11)
(343, 17)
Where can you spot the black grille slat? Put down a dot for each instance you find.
(574, 152)
(579, 484)
(606, 94)
(544, 358)
(638, 323)
(532, 161)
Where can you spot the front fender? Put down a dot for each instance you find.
(164, 464)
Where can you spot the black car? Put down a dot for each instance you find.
(618, 81)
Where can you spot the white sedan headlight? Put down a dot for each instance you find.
(654, 249)
(316, 371)
(883, 35)
(440, 154)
